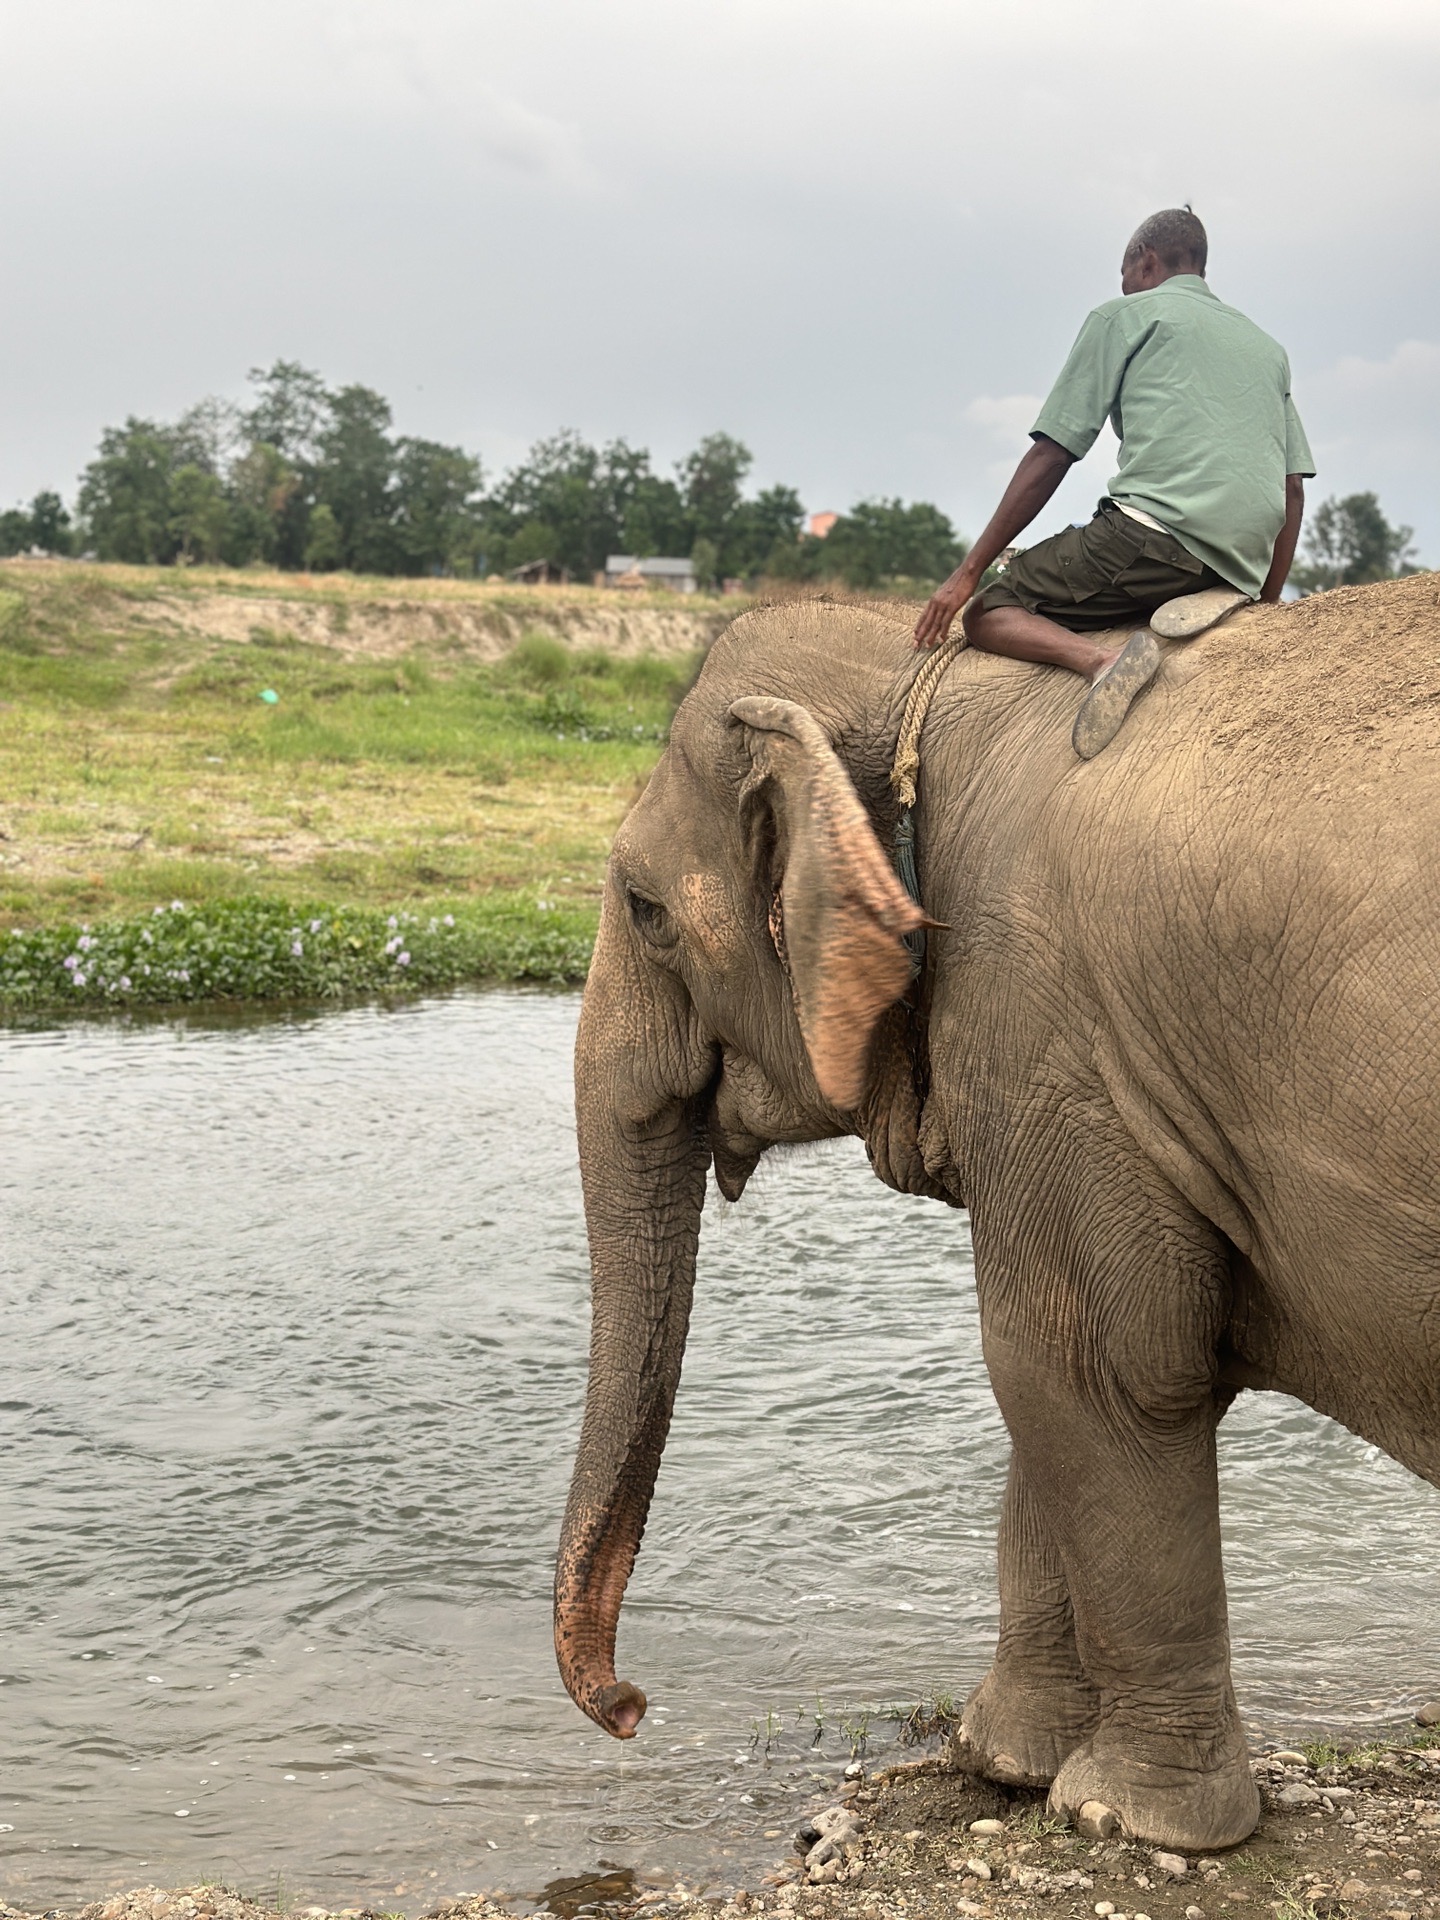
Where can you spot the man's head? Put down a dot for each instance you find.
(1168, 243)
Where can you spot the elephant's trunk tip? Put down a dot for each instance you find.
(620, 1708)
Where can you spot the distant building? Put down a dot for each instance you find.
(626, 570)
(819, 524)
(541, 573)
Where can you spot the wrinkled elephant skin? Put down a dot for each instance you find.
(1175, 1048)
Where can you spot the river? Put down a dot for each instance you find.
(295, 1325)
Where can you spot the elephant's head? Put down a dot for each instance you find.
(750, 941)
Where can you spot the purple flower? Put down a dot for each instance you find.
(402, 959)
(183, 973)
(159, 909)
(449, 919)
(72, 960)
(177, 906)
(77, 979)
(85, 942)
(392, 923)
(315, 925)
(297, 947)
(124, 983)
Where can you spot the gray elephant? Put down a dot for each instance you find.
(1177, 1049)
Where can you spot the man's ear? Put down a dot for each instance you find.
(844, 911)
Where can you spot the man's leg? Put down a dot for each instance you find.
(1020, 635)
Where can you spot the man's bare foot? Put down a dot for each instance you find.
(1103, 710)
(1105, 660)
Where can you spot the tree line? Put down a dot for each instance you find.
(313, 477)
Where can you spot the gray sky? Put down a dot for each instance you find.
(860, 234)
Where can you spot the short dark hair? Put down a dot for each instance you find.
(1176, 235)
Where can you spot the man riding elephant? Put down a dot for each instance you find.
(1174, 1047)
(1209, 493)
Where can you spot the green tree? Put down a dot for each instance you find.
(125, 493)
(765, 532)
(711, 479)
(436, 507)
(290, 413)
(50, 523)
(44, 524)
(353, 477)
(324, 547)
(199, 514)
(282, 432)
(15, 533)
(263, 486)
(1350, 542)
(556, 500)
(883, 541)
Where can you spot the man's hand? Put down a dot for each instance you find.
(943, 605)
(1035, 480)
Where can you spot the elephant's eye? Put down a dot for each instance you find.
(652, 921)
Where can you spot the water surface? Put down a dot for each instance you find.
(295, 1323)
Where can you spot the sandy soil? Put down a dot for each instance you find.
(1356, 1839)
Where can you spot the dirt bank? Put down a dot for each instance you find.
(1352, 1837)
(378, 619)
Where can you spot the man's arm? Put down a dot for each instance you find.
(1034, 483)
(1287, 539)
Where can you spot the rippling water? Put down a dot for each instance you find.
(294, 1332)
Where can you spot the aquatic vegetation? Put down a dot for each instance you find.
(259, 949)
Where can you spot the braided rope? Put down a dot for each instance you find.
(917, 706)
(903, 770)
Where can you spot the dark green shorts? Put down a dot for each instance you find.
(1106, 573)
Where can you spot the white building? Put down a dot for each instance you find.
(625, 570)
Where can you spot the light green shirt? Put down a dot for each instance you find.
(1200, 400)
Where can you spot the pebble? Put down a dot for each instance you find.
(1194, 1913)
(987, 1826)
(1104, 1908)
(1172, 1863)
(1288, 1757)
(1298, 1795)
(978, 1868)
(1429, 1714)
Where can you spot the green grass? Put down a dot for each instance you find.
(412, 771)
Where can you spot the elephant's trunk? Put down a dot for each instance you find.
(644, 1181)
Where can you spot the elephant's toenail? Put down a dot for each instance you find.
(1096, 1821)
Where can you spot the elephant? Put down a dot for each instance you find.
(1175, 1046)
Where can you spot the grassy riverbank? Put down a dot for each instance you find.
(309, 768)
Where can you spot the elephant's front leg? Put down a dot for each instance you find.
(1101, 1322)
(1036, 1704)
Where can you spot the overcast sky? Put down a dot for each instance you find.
(860, 234)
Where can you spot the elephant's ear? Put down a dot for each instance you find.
(844, 911)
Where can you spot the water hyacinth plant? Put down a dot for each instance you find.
(258, 949)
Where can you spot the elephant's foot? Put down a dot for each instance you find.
(1158, 1792)
(1019, 1730)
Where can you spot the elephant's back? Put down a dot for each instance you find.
(1344, 679)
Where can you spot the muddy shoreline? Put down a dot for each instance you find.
(1348, 1834)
